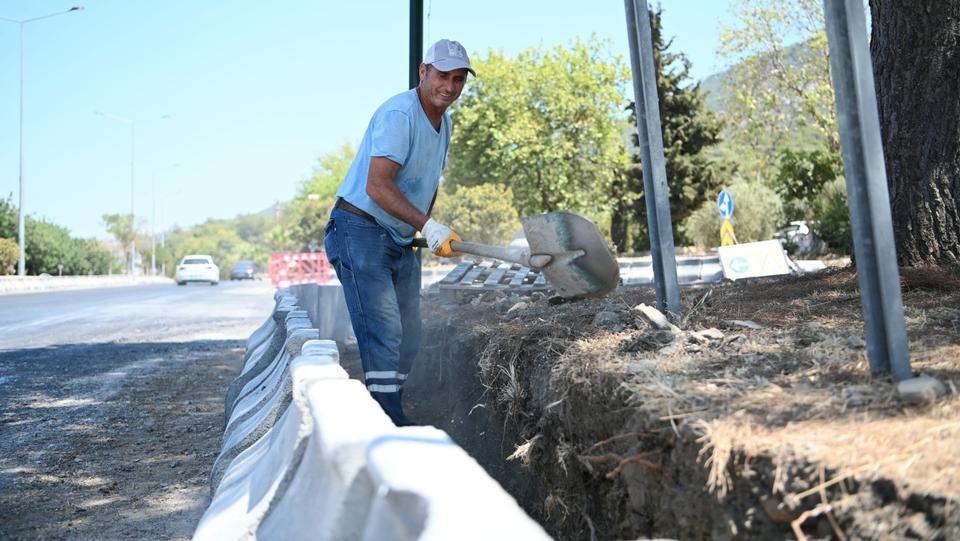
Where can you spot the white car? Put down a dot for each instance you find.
(197, 268)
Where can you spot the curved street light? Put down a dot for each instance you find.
(21, 266)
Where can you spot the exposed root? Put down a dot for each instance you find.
(601, 443)
(640, 458)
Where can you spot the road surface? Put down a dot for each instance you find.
(111, 405)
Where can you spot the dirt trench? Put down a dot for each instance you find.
(605, 427)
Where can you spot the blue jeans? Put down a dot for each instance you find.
(381, 284)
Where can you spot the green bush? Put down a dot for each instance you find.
(758, 213)
(801, 176)
(833, 215)
(482, 213)
(9, 255)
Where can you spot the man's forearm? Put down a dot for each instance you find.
(382, 188)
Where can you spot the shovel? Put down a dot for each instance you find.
(566, 247)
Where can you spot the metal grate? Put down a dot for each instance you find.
(471, 278)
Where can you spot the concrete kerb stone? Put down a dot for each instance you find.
(261, 473)
(257, 363)
(416, 498)
(259, 371)
(259, 411)
(303, 370)
(331, 475)
(259, 390)
(268, 327)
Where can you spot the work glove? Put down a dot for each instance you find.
(439, 238)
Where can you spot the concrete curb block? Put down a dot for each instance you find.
(258, 411)
(259, 390)
(256, 363)
(334, 466)
(265, 468)
(12, 285)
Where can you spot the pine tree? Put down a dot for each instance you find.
(689, 129)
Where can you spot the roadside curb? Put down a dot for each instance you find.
(308, 454)
(12, 285)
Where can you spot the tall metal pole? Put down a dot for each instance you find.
(153, 226)
(867, 195)
(657, 195)
(416, 41)
(21, 230)
(133, 217)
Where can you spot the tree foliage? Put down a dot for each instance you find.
(303, 219)
(49, 245)
(689, 131)
(801, 176)
(778, 95)
(9, 255)
(217, 238)
(121, 226)
(548, 124)
(482, 213)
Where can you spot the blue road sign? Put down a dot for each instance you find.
(725, 204)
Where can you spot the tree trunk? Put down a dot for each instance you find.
(915, 48)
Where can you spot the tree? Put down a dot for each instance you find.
(8, 218)
(777, 96)
(122, 228)
(801, 177)
(689, 130)
(915, 48)
(548, 124)
(303, 220)
(9, 255)
(483, 213)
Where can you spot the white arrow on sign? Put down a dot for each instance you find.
(725, 204)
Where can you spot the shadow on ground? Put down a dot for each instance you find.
(110, 440)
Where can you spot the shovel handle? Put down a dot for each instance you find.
(520, 256)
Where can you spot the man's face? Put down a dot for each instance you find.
(441, 88)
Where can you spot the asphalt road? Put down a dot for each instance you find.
(133, 314)
(111, 405)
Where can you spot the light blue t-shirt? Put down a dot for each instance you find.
(401, 132)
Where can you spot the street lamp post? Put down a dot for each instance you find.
(133, 218)
(21, 234)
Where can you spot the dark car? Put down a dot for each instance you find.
(243, 270)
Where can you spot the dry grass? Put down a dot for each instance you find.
(794, 389)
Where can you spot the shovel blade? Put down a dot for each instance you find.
(563, 235)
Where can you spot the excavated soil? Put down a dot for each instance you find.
(755, 418)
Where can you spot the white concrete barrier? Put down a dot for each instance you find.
(257, 412)
(333, 466)
(266, 468)
(315, 504)
(327, 309)
(262, 358)
(429, 488)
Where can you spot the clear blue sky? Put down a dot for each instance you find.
(253, 92)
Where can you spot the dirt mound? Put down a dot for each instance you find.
(754, 417)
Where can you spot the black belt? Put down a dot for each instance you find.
(342, 204)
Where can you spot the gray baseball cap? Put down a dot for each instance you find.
(448, 55)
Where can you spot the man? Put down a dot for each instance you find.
(385, 198)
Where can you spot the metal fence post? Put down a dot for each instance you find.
(867, 195)
(657, 195)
